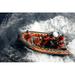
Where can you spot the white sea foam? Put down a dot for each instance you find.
(71, 47)
(59, 23)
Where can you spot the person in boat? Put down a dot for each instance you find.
(36, 39)
(53, 40)
(59, 41)
(32, 38)
(28, 36)
(47, 40)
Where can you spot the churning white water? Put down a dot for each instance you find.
(71, 47)
(59, 23)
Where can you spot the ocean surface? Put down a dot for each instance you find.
(13, 23)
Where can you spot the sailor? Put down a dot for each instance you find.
(61, 41)
(28, 36)
(47, 39)
(61, 38)
(36, 39)
(54, 42)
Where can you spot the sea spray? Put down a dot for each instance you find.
(60, 24)
(71, 47)
(29, 21)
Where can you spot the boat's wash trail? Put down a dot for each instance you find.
(63, 23)
(58, 23)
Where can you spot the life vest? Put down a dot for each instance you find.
(47, 38)
(61, 38)
(28, 36)
(36, 35)
(37, 41)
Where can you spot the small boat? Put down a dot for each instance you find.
(33, 40)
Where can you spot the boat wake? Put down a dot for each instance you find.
(59, 23)
(31, 22)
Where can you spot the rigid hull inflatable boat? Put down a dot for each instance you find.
(44, 42)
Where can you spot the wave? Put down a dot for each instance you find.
(58, 23)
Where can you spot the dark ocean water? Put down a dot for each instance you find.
(8, 34)
(10, 23)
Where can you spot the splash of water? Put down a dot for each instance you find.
(71, 47)
(59, 23)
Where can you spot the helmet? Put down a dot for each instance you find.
(55, 34)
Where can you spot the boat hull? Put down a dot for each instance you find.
(51, 51)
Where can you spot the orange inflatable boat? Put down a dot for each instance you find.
(44, 43)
